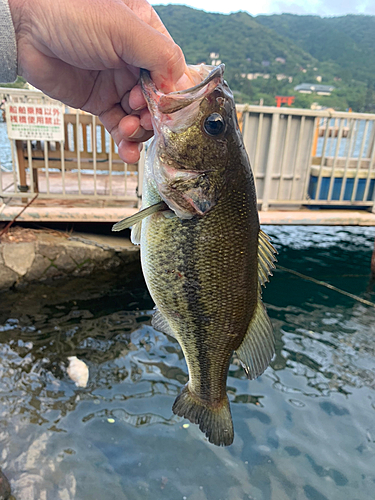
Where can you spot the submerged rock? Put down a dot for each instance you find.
(4, 487)
(78, 371)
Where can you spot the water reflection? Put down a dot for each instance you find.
(304, 430)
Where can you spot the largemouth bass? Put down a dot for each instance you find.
(203, 254)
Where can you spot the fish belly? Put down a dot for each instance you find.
(202, 276)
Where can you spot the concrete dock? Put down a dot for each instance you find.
(100, 211)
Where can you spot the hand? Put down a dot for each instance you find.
(87, 54)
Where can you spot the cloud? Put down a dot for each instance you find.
(316, 7)
(324, 7)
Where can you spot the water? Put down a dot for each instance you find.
(305, 430)
(346, 143)
(5, 150)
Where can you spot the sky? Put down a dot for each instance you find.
(317, 7)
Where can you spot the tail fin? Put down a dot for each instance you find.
(215, 422)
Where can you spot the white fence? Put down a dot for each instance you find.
(84, 166)
(299, 158)
(305, 157)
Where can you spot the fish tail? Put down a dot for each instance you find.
(214, 421)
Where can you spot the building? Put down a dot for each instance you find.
(254, 76)
(281, 76)
(312, 88)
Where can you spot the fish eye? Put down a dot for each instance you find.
(214, 124)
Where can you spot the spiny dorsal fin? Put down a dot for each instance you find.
(266, 257)
(160, 323)
(133, 219)
(258, 345)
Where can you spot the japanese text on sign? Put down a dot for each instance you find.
(35, 121)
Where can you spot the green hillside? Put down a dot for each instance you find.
(340, 50)
(348, 41)
(237, 37)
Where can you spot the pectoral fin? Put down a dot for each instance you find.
(258, 345)
(134, 219)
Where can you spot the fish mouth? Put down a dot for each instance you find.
(174, 101)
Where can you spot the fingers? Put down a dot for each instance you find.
(129, 152)
(147, 14)
(147, 46)
(136, 101)
(128, 131)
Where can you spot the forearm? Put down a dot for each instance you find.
(8, 46)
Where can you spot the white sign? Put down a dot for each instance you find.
(35, 121)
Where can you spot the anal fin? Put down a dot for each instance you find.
(258, 345)
(160, 323)
(214, 421)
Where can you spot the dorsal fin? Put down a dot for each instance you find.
(266, 257)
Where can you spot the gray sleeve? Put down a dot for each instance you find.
(8, 46)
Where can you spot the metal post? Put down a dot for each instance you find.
(283, 162)
(21, 167)
(110, 161)
(93, 146)
(46, 165)
(78, 151)
(270, 161)
(141, 168)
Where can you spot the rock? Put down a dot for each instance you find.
(40, 255)
(7, 277)
(4, 487)
(78, 252)
(65, 263)
(19, 256)
(50, 250)
(38, 268)
(78, 371)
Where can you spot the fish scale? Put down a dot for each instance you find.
(205, 283)
(203, 255)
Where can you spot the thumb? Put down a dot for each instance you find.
(143, 46)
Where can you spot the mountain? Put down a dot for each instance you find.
(338, 51)
(241, 41)
(347, 41)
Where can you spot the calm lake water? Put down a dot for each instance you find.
(305, 430)
(5, 150)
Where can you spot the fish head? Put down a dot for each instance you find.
(193, 132)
